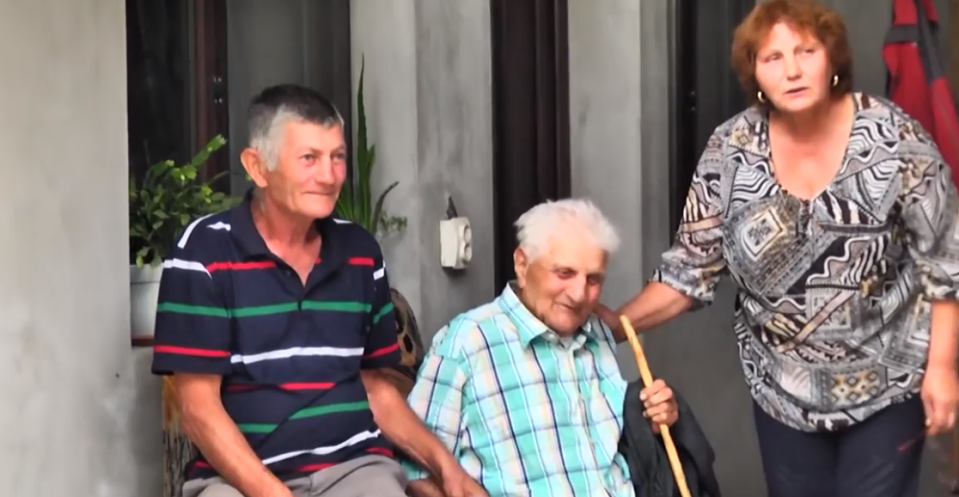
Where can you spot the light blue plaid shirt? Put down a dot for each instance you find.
(525, 412)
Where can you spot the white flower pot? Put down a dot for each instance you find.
(144, 290)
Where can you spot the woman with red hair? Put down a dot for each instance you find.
(835, 215)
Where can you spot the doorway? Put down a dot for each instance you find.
(531, 150)
(707, 92)
(531, 153)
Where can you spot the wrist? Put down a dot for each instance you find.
(942, 365)
(274, 488)
(446, 466)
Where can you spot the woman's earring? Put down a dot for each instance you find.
(760, 97)
(835, 80)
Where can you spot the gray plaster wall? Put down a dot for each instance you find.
(80, 415)
(428, 101)
(619, 93)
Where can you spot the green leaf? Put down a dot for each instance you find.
(167, 198)
(141, 256)
(365, 155)
(361, 111)
(356, 197)
(344, 203)
(378, 210)
(366, 194)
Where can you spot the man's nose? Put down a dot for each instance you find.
(323, 173)
(577, 291)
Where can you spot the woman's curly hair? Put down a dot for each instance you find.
(805, 16)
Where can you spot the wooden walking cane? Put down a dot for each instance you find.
(647, 376)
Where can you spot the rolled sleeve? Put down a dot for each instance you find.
(930, 209)
(193, 332)
(382, 348)
(694, 264)
(437, 397)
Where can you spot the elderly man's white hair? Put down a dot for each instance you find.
(537, 226)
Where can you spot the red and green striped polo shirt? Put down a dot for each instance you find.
(290, 354)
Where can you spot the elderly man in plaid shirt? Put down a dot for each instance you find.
(525, 391)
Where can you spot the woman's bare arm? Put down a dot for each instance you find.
(656, 304)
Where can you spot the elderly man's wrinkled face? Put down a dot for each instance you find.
(310, 170)
(562, 285)
(792, 69)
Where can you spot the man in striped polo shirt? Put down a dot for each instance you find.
(526, 390)
(275, 318)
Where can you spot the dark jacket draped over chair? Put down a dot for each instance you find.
(646, 455)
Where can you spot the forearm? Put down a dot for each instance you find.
(655, 305)
(213, 431)
(403, 427)
(424, 488)
(944, 335)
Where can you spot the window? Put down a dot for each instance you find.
(175, 58)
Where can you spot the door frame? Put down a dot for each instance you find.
(706, 89)
(209, 91)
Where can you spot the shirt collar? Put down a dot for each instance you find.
(528, 325)
(252, 246)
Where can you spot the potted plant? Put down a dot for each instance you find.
(356, 199)
(162, 204)
(356, 204)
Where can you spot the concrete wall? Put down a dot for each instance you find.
(75, 417)
(429, 107)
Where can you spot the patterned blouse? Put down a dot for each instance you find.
(832, 313)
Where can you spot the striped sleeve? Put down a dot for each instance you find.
(193, 332)
(382, 346)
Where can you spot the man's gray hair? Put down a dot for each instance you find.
(537, 226)
(277, 105)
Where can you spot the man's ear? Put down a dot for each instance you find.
(254, 165)
(520, 265)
